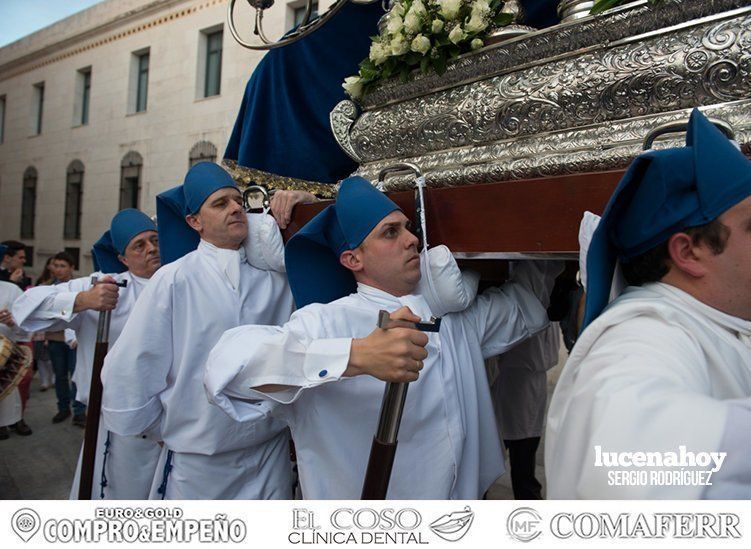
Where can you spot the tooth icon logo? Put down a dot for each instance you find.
(454, 526)
(25, 523)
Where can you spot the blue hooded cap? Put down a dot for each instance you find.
(662, 193)
(312, 254)
(125, 226)
(176, 238)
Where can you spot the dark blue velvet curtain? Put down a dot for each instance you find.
(283, 123)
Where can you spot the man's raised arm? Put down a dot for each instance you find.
(277, 363)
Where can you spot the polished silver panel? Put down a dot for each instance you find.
(578, 97)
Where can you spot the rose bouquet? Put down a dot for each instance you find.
(425, 34)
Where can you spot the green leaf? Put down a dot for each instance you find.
(603, 5)
(503, 19)
(370, 71)
(425, 64)
(368, 64)
(439, 64)
(413, 58)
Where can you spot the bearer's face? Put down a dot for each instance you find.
(221, 219)
(388, 258)
(62, 270)
(142, 254)
(730, 271)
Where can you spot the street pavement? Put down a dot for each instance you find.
(41, 466)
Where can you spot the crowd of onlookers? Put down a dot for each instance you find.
(53, 351)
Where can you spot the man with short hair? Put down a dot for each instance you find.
(153, 374)
(127, 253)
(63, 266)
(661, 375)
(323, 371)
(13, 261)
(61, 349)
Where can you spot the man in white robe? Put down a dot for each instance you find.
(153, 374)
(323, 372)
(655, 400)
(128, 252)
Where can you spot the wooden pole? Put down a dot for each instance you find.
(94, 406)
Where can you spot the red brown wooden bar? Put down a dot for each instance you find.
(497, 220)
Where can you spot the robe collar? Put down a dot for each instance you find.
(385, 300)
(740, 328)
(228, 261)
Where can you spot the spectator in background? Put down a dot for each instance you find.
(13, 261)
(46, 278)
(63, 356)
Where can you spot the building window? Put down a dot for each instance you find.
(2, 118)
(130, 180)
(203, 151)
(28, 202)
(29, 256)
(38, 109)
(299, 12)
(83, 97)
(75, 253)
(212, 82)
(73, 195)
(139, 81)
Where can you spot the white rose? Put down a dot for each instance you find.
(353, 86)
(456, 35)
(481, 7)
(394, 24)
(418, 8)
(437, 26)
(476, 44)
(449, 9)
(412, 22)
(379, 53)
(397, 9)
(421, 44)
(476, 23)
(399, 45)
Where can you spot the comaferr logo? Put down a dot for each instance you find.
(642, 525)
(524, 524)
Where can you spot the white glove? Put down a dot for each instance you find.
(446, 288)
(264, 247)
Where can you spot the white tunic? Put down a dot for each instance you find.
(448, 441)
(153, 377)
(520, 390)
(131, 461)
(656, 371)
(10, 407)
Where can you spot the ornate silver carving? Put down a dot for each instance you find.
(341, 120)
(562, 40)
(702, 65)
(578, 97)
(600, 147)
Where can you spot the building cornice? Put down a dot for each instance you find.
(121, 26)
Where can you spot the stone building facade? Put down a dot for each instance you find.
(107, 108)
